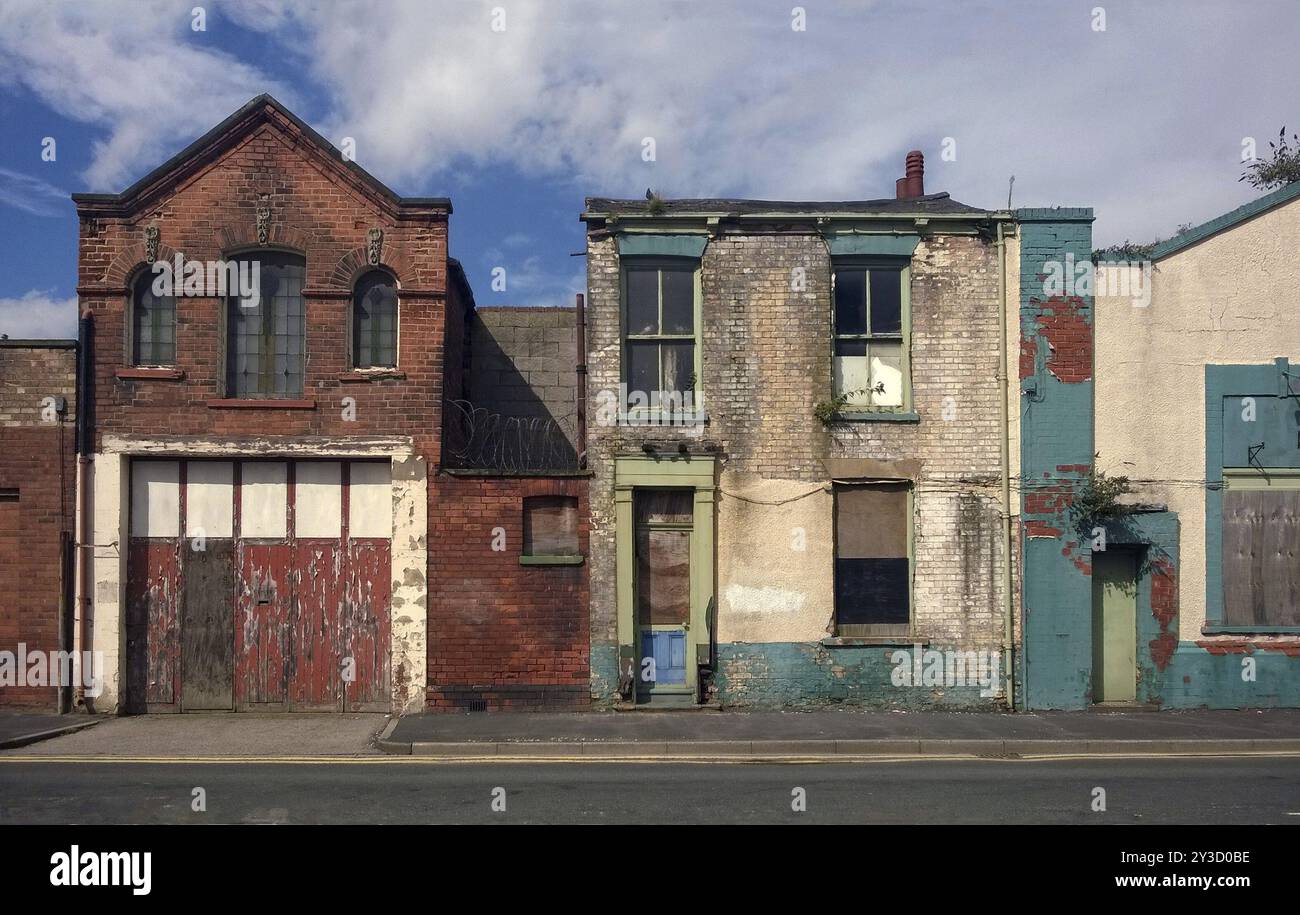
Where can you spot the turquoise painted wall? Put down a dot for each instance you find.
(811, 675)
(1055, 455)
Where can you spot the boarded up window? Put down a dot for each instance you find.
(663, 522)
(1261, 557)
(551, 526)
(872, 568)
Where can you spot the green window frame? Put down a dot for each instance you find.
(658, 326)
(153, 324)
(871, 321)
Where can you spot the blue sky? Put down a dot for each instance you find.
(1144, 120)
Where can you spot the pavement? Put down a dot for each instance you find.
(18, 729)
(827, 736)
(842, 733)
(243, 735)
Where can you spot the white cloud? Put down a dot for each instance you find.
(38, 315)
(32, 195)
(135, 69)
(1143, 121)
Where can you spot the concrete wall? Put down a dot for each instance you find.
(1230, 299)
(523, 364)
(1226, 301)
(766, 364)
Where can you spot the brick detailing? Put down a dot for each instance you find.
(38, 459)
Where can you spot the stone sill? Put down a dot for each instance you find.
(1254, 631)
(668, 421)
(876, 417)
(267, 403)
(551, 560)
(365, 375)
(144, 373)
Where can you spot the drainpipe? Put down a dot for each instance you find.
(580, 393)
(1008, 606)
(81, 553)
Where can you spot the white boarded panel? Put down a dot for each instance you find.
(264, 499)
(318, 499)
(155, 498)
(370, 500)
(210, 499)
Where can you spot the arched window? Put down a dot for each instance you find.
(153, 324)
(265, 331)
(374, 321)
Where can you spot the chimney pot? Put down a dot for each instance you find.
(913, 184)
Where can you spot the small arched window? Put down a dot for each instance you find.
(153, 324)
(374, 321)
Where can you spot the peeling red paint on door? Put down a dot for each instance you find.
(316, 681)
(366, 622)
(263, 652)
(153, 602)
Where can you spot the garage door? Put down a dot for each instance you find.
(259, 585)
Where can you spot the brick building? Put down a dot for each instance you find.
(37, 468)
(276, 522)
(825, 485)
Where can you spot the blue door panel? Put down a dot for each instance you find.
(668, 648)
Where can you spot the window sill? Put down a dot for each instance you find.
(869, 416)
(365, 375)
(863, 641)
(551, 560)
(1250, 630)
(145, 373)
(264, 403)
(665, 420)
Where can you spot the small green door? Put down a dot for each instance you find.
(1114, 626)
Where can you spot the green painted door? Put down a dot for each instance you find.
(1114, 626)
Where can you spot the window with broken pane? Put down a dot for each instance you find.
(265, 331)
(870, 358)
(660, 336)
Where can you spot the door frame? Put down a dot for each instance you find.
(666, 471)
(1134, 557)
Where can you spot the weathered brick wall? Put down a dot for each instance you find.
(37, 458)
(314, 211)
(766, 364)
(524, 364)
(502, 635)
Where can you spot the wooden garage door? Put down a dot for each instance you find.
(259, 584)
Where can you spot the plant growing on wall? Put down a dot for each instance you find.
(828, 410)
(1098, 498)
(1280, 170)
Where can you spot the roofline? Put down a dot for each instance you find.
(974, 215)
(1229, 220)
(38, 343)
(208, 138)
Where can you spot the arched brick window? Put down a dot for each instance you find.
(153, 324)
(374, 321)
(265, 332)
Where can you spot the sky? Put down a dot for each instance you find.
(518, 110)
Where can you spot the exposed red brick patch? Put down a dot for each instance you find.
(1164, 592)
(1049, 500)
(1162, 648)
(1028, 352)
(1068, 331)
(1073, 468)
(1041, 529)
